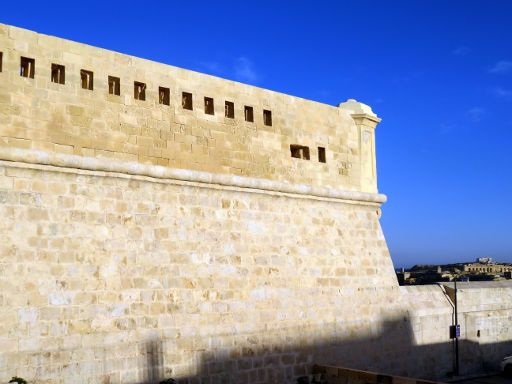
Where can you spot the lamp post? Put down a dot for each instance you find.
(457, 331)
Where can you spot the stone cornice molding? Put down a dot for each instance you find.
(161, 172)
(367, 120)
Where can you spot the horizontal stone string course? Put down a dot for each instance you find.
(160, 172)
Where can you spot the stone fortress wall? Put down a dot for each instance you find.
(58, 115)
(127, 256)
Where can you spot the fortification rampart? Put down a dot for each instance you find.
(109, 276)
(142, 240)
(65, 97)
(104, 271)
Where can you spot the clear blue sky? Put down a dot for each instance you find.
(439, 73)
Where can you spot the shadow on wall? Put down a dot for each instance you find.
(391, 351)
(154, 372)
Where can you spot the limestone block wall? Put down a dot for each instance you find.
(430, 314)
(485, 316)
(58, 115)
(124, 278)
(484, 312)
(109, 277)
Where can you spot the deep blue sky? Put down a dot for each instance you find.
(439, 73)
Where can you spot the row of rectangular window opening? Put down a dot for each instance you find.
(114, 87)
(58, 75)
(302, 152)
(229, 108)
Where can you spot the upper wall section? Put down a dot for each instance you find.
(64, 97)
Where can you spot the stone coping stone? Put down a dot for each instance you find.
(161, 172)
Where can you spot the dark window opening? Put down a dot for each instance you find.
(299, 151)
(114, 85)
(249, 114)
(87, 79)
(58, 74)
(186, 101)
(321, 155)
(208, 106)
(229, 109)
(139, 91)
(267, 117)
(27, 67)
(164, 96)
(1, 60)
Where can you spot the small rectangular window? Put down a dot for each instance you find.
(267, 117)
(139, 91)
(299, 151)
(208, 106)
(321, 155)
(87, 79)
(58, 74)
(114, 85)
(229, 109)
(186, 101)
(27, 67)
(164, 96)
(249, 114)
(1, 60)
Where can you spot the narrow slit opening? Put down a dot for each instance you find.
(114, 85)
(139, 91)
(229, 109)
(321, 155)
(186, 101)
(164, 96)
(27, 67)
(267, 117)
(58, 74)
(87, 79)
(249, 114)
(208, 106)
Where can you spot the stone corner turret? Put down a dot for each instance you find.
(360, 111)
(366, 121)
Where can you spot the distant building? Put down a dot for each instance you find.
(483, 269)
(486, 266)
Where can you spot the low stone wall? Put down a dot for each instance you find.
(484, 312)
(339, 375)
